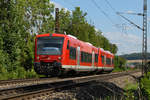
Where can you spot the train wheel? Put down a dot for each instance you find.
(71, 73)
(60, 73)
(100, 72)
(57, 72)
(47, 76)
(109, 71)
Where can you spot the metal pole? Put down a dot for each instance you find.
(56, 20)
(144, 48)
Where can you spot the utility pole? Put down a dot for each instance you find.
(144, 29)
(144, 48)
(57, 20)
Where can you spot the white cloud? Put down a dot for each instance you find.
(127, 43)
(130, 12)
(58, 5)
(148, 19)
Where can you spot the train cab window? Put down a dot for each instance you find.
(68, 44)
(102, 59)
(72, 53)
(50, 45)
(96, 57)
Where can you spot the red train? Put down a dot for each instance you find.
(58, 53)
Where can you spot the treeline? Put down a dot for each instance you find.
(134, 56)
(21, 20)
(77, 25)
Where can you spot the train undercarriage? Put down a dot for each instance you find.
(48, 68)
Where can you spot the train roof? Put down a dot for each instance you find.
(73, 38)
(51, 34)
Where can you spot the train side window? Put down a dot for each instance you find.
(96, 57)
(72, 53)
(82, 56)
(112, 61)
(108, 61)
(68, 45)
(86, 57)
(102, 59)
(90, 58)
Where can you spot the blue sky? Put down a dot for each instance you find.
(118, 31)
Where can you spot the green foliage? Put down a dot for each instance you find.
(130, 87)
(18, 19)
(130, 95)
(133, 91)
(77, 25)
(64, 20)
(21, 20)
(119, 63)
(145, 82)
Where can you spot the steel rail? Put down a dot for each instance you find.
(41, 89)
(6, 84)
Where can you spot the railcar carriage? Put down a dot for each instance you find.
(102, 60)
(105, 60)
(109, 61)
(58, 53)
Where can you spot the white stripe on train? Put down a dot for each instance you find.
(86, 68)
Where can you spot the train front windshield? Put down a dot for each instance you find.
(49, 45)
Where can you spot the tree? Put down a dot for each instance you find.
(119, 62)
(78, 24)
(18, 20)
(21, 20)
(114, 48)
(65, 21)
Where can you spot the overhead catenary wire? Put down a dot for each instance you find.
(110, 5)
(113, 9)
(90, 21)
(103, 12)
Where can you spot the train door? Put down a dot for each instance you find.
(105, 61)
(111, 61)
(67, 55)
(78, 58)
(93, 59)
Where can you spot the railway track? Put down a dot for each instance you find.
(6, 84)
(47, 86)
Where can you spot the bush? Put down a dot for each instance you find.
(145, 82)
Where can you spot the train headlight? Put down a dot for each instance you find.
(59, 58)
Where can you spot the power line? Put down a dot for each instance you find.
(130, 21)
(103, 12)
(113, 9)
(74, 7)
(110, 5)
